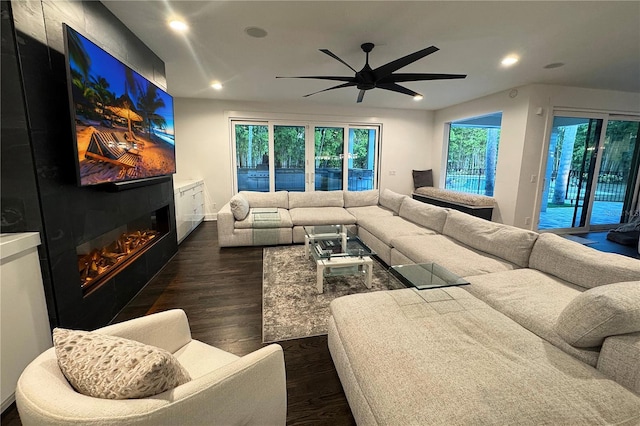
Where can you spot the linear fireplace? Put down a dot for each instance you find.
(103, 257)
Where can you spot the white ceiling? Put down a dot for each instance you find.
(599, 42)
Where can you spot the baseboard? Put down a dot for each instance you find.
(210, 216)
(8, 401)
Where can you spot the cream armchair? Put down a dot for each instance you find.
(225, 389)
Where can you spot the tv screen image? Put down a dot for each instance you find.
(123, 123)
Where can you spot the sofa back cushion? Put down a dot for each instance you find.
(391, 200)
(579, 264)
(361, 198)
(316, 199)
(504, 241)
(266, 199)
(239, 206)
(427, 215)
(600, 312)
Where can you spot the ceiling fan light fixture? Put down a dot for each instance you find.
(178, 25)
(510, 60)
(216, 85)
(418, 98)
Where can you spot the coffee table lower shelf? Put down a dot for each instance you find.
(348, 265)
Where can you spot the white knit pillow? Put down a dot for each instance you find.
(239, 206)
(110, 367)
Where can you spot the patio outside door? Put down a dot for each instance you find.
(592, 173)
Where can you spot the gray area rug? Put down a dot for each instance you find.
(291, 306)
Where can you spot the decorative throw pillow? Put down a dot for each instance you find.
(422, 178)
(239, 206)
(600, 312)
(110, 367)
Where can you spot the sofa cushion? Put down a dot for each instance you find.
(534, 300)
(391, 200)
(579, 264)
(504, 241)
(104, 366)
(316, 199)
(443, 357)
(249, 222)
(422, 178)
(239, 206)
(361, 198)
(427, 215)
(321, 216)
(369, 211)
(600, 312)
(454, 256)
(385, 228)
(278, 199)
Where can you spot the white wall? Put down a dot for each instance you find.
(203, 147)
(521, 154)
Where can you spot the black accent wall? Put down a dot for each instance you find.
(38, 168)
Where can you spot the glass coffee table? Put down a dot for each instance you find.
(425, 276)
(337, 251)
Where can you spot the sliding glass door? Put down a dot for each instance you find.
(592, 170)
(289, 146)
(304, 156)
(251, 156)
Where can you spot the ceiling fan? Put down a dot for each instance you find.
(382, 77)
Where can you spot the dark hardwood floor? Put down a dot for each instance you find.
(602, 244)
(220, 289)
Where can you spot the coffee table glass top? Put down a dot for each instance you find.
(332, 241)
(425, 275)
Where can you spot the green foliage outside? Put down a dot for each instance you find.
(467, 149)
(289, 146)
(255, 136)
(619, 147)
(361, 148)
(329, 146)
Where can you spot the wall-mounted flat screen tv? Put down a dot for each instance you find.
(122, 123)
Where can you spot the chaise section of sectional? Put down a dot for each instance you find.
(559, 271)
(444, 357)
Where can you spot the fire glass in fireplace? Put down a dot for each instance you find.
(100, 258)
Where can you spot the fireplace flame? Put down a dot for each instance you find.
(99, 261)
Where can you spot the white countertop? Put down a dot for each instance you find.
(11, 243)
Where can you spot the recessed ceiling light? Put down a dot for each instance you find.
(216, 85)
(554, 65)
(255, 32)
(418, 97)
(510, 60)
(178, 25)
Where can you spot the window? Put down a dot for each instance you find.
(362, 158)
(305, 156)
(472, 154)
(252, 157)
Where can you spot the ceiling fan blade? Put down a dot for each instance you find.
(397, 88)
(361, 95)
(334, 56)
(386, 69)
(326, 77)
(339, 86)
(398, 78)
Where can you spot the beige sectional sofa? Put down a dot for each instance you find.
(547, 332)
